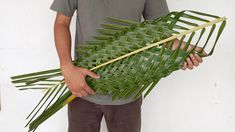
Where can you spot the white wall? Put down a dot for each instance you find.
(201, 100)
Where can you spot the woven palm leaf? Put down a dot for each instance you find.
(130, 57)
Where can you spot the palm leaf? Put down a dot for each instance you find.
(130, 57)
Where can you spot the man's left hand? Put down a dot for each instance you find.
(193, 60)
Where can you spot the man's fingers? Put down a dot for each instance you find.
(199, 49)
(80, 93)
(89, 90)
(184, 66)
(190, 64)
(83, 92)
(77, 94)
(204, 53)
(198, 58)
(193, 59)
(91, 74)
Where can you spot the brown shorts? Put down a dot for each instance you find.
(85, 116)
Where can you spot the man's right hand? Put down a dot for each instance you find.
(75, 79)
(74, 76)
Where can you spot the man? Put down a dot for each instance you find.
(85, 113)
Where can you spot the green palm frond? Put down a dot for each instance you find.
(130, 57)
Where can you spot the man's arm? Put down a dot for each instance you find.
(62, 38)
(74, 76)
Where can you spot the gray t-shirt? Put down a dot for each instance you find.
(92, 13)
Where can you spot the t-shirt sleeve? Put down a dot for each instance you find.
(66, 7)
(155, 8)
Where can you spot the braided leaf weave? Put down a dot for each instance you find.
(149, 57)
